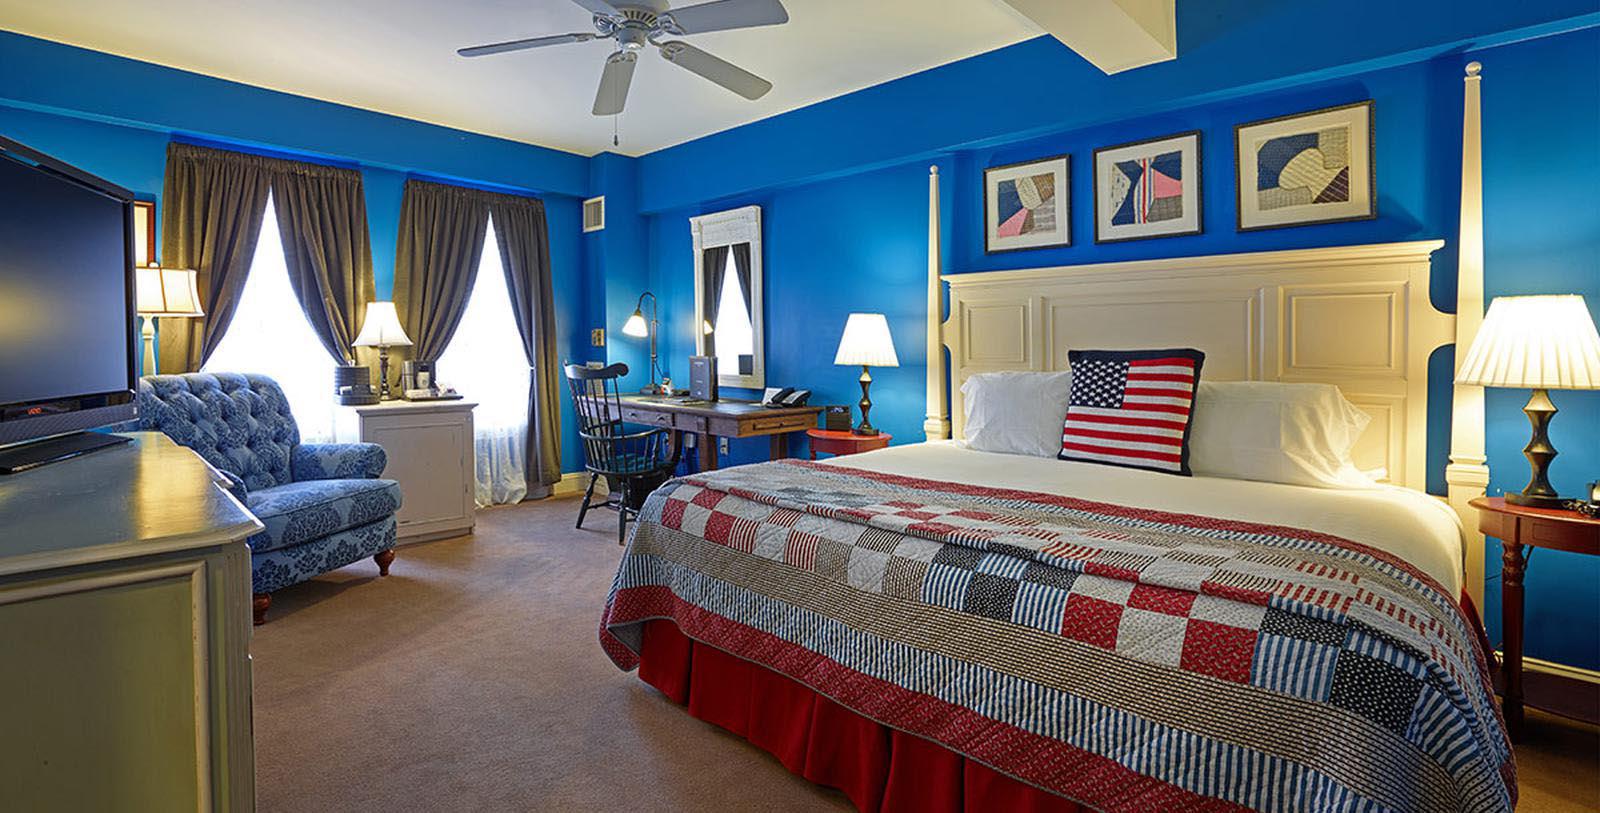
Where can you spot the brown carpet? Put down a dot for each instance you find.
(471, 679)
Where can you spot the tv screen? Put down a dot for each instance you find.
(66, 304)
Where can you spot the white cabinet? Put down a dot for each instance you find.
(429, 444)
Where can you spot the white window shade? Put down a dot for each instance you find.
(269, 335)
(485, 362)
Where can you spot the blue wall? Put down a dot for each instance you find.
(114, 117)
(852, 237)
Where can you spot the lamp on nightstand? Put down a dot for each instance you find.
(1541, 343)
(381, 329)
(163, 293)
(866, 341)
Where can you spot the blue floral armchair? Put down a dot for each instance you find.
(323, 504)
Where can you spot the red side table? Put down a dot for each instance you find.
(1517, 527)
(831, 441)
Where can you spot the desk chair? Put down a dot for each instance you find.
(633, 463)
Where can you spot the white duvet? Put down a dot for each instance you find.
(1419, 529)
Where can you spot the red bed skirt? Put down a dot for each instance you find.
(877, 767)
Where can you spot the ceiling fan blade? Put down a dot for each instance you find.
(721, 15)
(519, 45)
(600, 7)
(716, 69)
(614, 82)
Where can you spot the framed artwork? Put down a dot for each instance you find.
(144, 232)
(1026, 205)
(1314, 167)
(1147, 189)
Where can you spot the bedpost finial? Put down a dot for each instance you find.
(933, 169)
(1473, 68)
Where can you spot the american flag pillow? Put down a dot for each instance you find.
(1131, 408)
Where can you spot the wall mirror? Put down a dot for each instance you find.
(727, 295)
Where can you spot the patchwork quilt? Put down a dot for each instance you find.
(1123, 658)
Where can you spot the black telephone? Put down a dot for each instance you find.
(777, 398)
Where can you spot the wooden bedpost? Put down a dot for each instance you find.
(1467, 475)
(937, 425)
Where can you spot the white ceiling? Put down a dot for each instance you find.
(398, 56)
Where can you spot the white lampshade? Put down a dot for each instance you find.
(381, 327)
(1535, 342)
(166, 292)
(867, 342)
(635, 326)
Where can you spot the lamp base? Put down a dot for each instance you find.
(1538, 493)
(865, 427)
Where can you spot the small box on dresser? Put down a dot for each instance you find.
(430, 449)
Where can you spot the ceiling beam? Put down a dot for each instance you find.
(1114, 35)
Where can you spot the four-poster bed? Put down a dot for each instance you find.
(935, 627)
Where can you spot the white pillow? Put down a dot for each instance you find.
(1299, 434)
(1016, 412)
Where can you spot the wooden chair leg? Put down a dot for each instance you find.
(384, 558)
(588, 496)
(259, 603)
(622, 514)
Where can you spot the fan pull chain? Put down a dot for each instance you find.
(614, 141)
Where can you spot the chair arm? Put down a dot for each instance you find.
(330, 461)
(234, 485)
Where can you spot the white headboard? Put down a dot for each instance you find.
(1355, 316)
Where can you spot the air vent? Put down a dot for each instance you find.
(594, 214)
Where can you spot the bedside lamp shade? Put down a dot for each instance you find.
(1540, 343)
(1535, 342)
(166, 292)
(381, 327)
(867, 342)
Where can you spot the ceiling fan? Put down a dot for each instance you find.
(635, 23)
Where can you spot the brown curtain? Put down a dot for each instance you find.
(441, 237)
(741, 267)
(322, 219)
(212, 205)
(713, 270)
(524, 243)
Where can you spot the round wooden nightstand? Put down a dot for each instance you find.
(830, 441)
(1517, 526)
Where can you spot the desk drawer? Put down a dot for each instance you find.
(783, 423)
(647, 417)
(689, 423)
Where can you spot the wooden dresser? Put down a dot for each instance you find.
(124, 635)
(430, 449)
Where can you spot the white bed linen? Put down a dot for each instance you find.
(1413, 526)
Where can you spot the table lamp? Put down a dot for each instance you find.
(1542, 343)
(381, 329)
(866, 341)
(637, 327)
(162, 293)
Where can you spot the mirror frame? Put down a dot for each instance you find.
(734, 226)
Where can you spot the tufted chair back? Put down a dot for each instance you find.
(238, 422)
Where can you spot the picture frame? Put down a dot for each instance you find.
(1328, 156)
(1027, 205)
(144, 232)
(1148, 189)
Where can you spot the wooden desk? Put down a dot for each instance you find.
(719, 419)
(1517, 526)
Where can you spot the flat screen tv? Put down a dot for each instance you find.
(67, 338)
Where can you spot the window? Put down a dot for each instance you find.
(485, 362)
(734, 337)
(269, 334)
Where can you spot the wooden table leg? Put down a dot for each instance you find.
(708, 452)
(780, 446)
(1513, 565)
